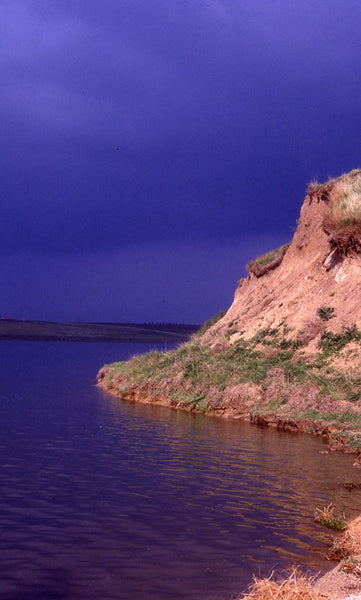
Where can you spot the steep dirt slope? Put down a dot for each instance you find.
(288, 351)
(321, 269)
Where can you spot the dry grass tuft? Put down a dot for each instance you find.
(296, 587)
(327, 518)
(344, 205)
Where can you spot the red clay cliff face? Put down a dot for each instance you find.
(263, 359)
(321, 267)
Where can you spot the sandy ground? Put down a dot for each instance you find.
(337, 585)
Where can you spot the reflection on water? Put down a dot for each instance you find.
(106, 500)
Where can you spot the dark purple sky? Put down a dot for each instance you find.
(151, 148)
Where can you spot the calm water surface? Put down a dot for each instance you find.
(104, 500)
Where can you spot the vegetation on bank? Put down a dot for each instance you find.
(268, 261)
(347, 548)
(268, 373)
(327, 517)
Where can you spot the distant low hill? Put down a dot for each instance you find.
(12, 329)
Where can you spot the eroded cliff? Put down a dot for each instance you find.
(288, 350)
(315, 284)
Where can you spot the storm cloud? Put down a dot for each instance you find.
(160, 124)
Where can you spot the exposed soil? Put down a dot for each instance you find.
(313, 273)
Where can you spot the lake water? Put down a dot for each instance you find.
(105, 500)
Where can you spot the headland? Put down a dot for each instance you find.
(287, 353)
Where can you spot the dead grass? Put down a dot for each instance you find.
(344, 204)
(296, 587)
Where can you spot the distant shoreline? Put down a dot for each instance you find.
(47, 331)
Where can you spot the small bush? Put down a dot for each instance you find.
(337, 552)
(325, 313)
(262, 334)
(355, 442)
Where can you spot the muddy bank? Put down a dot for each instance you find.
(333, 434)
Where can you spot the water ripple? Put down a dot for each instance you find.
(106, 500)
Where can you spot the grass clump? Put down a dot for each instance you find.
(332, 343)
(327, 518)
(355, 442)
(261, 265)
(342, 215)
(325, 313)
(344, 210)
(295, 587)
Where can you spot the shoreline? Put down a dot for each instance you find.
(346, 586)
(345, 578)
(338, 585)
(318, 427)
